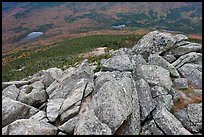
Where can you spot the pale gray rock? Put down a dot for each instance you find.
(193, 75)
(53, 108)
(89, 124)
(120, 62)
(145, 98)
(13, 110)
(30, 127)
(38, 85)
(133, 125)
(150, 128)
(47, 79)
(183, 117)
(180, 37)
(191, 57)
(138, 60)
(35, 98)
(70, 113)
(164, 101)
(70, 125)
(56, 73)
(40, 116)
(155, 59)
(181, 50)
(25, 89)
(113, 107)
(155, 76)
(74, 96)
(195, 114)
(158, 91)
(17, 83)
(180, 83)
(52, 87)
(69, 83)
(169, 58)
(154, 42)
(169, 124)
(11, 92)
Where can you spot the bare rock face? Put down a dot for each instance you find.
(155, 88)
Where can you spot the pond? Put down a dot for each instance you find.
(32, 36)
(119, 26)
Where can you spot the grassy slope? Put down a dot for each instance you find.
(64, 54)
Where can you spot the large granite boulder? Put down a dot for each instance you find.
(89, 124)
(155, 59)
(70, 125)
(67, 85)
(169, 124)
(191, 117)
(13, 110)
(112, 101)
(11, 92)
(120, 61)
(30, 127)
(192, 74)
(155, 76)
(154, 42)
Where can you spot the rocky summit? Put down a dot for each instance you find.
(155, 88)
